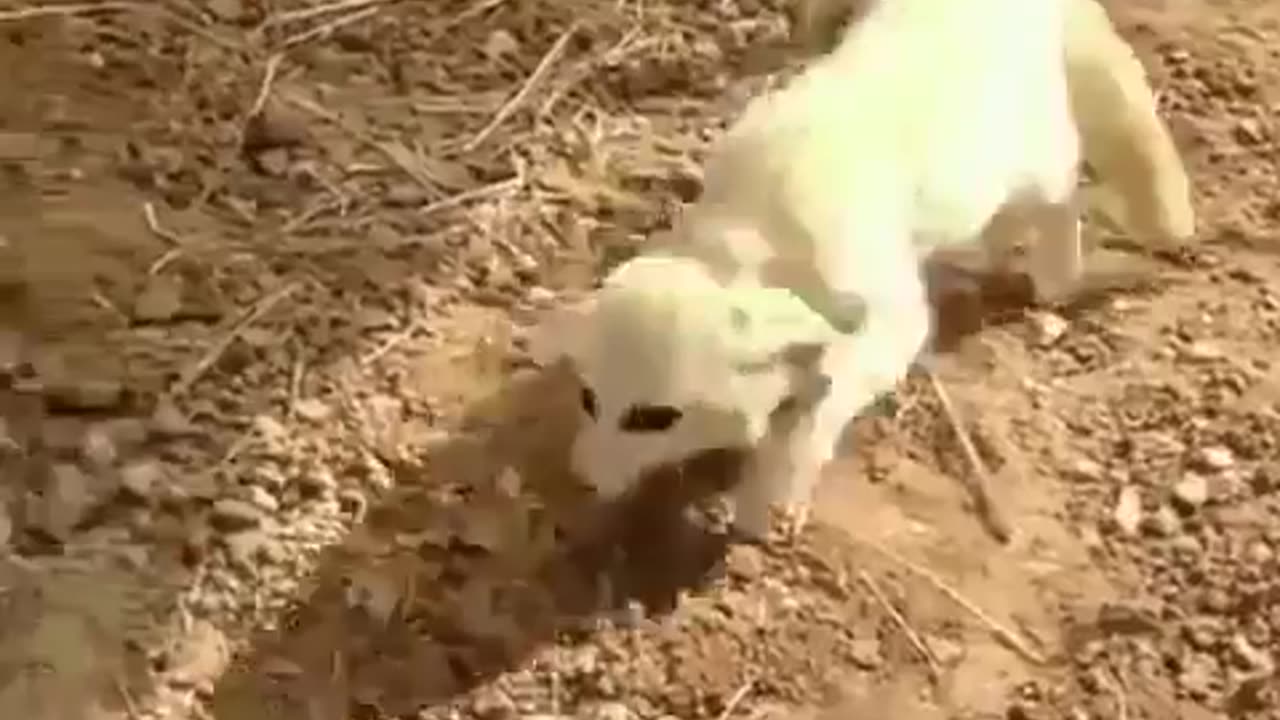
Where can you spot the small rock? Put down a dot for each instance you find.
(125, 433)
(1250, 658)
(167, 421)
(199, 657)
(501, 43)
(1259, 554)
(493, 704)
(744, 562)
(318, 480)
(268, 475)
(313, 410)
(67, 500)
(947, 651)
(97, 448)
(1202, 351)
(509, 484)
(608, 711)
(1163, 523)
(62, 436)
(1048, 327)
(228, 10)
(274, 161)
(865, 653)
(262, 499)
(1199, 676)
(274, 127)
(82, 395)
(1217, 458)
(244, 548)
(159, 301)
(1128, 510)
(6, 525)
(1191, 492)
(234, 515)
(1250, 131)
(141, 478)
(10, 350)
(1086, 470)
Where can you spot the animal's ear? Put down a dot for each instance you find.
(561, 332)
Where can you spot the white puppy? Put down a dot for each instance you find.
(1142, 184)
(791, 295)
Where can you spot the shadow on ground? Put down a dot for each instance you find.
(424, 602)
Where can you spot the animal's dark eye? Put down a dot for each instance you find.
(588, 400)
(649, 418)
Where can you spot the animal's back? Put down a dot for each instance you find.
(934, 109)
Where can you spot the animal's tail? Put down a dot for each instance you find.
(1143, 186)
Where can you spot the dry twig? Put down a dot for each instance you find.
(325, 29)
(293, 16)
(37, 11)
(913, 637)
(206, 361)
(1006, 636)
(535, 78)
(977, 484)
(736, 699)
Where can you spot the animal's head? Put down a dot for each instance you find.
(673, 363)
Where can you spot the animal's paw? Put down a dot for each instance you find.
(795, 519)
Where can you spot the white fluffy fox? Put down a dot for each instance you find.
(1143, 186)
(791, 295)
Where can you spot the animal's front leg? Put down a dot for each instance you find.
(764, 480)
(1057, 257)
(783, 469)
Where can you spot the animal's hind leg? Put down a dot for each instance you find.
(1056, 259)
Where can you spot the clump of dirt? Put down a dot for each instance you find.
(271, 446)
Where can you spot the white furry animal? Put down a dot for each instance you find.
(1143, 185)
(791, 296)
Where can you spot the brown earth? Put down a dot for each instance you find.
(270, 446)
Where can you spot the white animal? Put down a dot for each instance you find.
(790, 296)
(1143, 184)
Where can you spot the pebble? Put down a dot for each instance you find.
(262, 499)
(141, 478)
(313, 410)
(1216, 458)
(232, 515)
(1202, 351)
(67, 500)
(200, 656)
(1049, 327)
(1128, 510)
(1162, 523)
(167, 421)
(1191, 492)
(98, 449)
(865, 653)
(244, 548)
(103, 394)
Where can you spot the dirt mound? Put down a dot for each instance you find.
(270, 445)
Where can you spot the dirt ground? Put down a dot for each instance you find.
(270, 446)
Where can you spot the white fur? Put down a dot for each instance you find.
(1143, 185)
(818, 207)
